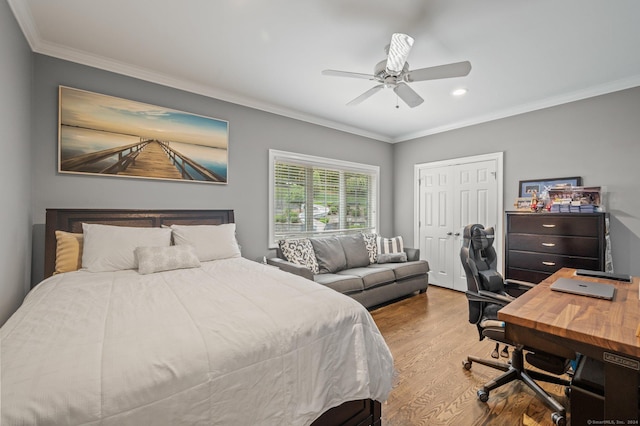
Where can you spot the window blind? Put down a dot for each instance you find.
(312, 196)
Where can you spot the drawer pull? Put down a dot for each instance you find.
(548, 225)
(549, 244)
(549, 263)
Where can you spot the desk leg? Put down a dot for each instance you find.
(620, 394)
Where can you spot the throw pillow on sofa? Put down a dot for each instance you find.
(392, 257)
(391, 250)
(371, 242)
(329, 254)
(390, 245)
(355, 251)
(299, 251)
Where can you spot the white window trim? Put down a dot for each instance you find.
(322, 162)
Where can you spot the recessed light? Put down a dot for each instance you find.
(459, 92)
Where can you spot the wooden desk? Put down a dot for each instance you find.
(602, 329)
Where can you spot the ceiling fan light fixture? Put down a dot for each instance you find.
(459, 92)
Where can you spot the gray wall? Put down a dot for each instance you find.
(15, 173)
(596, 138)
(593, 138)
(252, 134)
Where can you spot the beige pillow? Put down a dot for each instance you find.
(68, 252)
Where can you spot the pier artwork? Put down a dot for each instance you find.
(104, 135)
(150, 158)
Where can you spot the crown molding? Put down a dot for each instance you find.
(553, 101)
(25, 21)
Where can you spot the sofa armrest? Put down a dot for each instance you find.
(291, 267)
(412, 254)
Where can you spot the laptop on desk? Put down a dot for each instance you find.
(584, 288)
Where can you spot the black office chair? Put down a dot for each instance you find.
(487, 293)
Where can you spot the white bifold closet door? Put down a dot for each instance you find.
(451, 196)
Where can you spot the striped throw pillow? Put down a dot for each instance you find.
(390, 245)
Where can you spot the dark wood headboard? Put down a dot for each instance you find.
(71, 220)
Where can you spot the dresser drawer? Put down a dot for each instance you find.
(549, 262)
(550, 224)
(575, 246)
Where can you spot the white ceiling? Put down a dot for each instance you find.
(268, 55)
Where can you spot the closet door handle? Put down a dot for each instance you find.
(549, 244)
(548, 225)
(549, 263)
(449, 233)
(457, 234)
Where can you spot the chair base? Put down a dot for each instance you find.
(515, 371)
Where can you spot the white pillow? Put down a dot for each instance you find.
(157, 259)
(111, 248)
(211, 242)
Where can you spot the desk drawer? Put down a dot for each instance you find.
(576, 246)
(534, 277)
(550, 224)
(549, 263)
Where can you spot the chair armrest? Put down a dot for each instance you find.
(290, 267)
(412, 254)
(477, 297)
(491, 297)
(519, 285)
(522, 283)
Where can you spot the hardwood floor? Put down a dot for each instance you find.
(429, 336)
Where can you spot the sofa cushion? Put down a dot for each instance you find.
(405, 270)
(371, 277)
(371, 242)
(345, 284)
(300, 252)
(355, 250)
(329, 254)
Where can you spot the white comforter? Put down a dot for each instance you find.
(231, 343)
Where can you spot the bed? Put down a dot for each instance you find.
(229, 342)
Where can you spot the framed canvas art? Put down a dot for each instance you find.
(528, 187)
(108, 136)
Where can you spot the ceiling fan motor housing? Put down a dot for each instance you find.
(380, 73)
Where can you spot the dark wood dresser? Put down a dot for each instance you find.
(538, 244)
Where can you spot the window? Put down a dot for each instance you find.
(311, 196)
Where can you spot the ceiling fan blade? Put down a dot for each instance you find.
(336, 73)
(458, 69)
(366, 95)
(408, 95)
(398, 53)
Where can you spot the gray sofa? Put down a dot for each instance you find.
(349, 264)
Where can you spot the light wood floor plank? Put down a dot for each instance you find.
(429, 336)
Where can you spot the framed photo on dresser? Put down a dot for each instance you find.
(528, 187)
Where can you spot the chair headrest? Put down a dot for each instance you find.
(467, 232)
(481, 238)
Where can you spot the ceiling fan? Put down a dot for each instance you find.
(394, 72)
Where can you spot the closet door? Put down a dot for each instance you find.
(436, 224)
(451, 196)
(475, 192)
